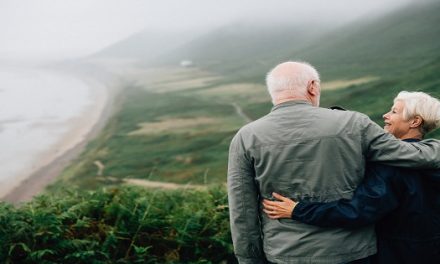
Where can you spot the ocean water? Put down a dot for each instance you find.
(36, 107)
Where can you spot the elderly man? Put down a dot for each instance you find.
(287, 151)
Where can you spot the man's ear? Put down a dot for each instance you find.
(312, 88)
(416, 122)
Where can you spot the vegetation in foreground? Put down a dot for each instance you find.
(122, 225)
(180, 133)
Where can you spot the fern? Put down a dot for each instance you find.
(123, 225)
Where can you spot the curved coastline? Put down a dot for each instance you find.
(83, 129)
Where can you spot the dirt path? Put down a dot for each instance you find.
(240, 112)
(162, 185)
(144, 183)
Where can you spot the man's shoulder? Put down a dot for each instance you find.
(351, 120)
(327, 116)
(339, 111)
(254, 125)
(247, 128)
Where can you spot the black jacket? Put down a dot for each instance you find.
(404, 204)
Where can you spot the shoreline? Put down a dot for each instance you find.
(83, 128)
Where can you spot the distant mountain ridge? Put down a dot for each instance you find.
(390, 42)
(244, 52)
(402, 39)
(232, 47)
(144, 46)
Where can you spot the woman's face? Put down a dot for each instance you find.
(395, 123)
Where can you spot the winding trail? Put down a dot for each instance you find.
(240, 112)
(162, 185)
(144, 183)
(152, 184)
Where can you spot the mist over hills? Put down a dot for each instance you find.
(174, 125)
(244, 51)
(400, 40)
(232, 48)
(224, 50)
(145, 46)
(372, 45)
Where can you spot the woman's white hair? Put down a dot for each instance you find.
(297, 83)
(423, 105)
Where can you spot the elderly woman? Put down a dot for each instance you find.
(404, 203)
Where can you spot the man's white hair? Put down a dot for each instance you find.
(423, 105)
(296, 83)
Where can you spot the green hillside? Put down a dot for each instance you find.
(396, 42)
(175, 124)
(377, 45)
(236, 50)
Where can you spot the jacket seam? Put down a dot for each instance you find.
(254, 146)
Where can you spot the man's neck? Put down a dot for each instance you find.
(289, 100)
(289, 95)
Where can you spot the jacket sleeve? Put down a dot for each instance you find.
(243, 198)
(374, 197)
(385, 148)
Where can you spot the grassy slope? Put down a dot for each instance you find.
(196, 154)
(389, 43)
(393, 44)
(131, 225)
(401, 50)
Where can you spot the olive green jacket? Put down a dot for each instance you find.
(308, 153)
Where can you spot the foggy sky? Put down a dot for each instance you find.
(69, 28)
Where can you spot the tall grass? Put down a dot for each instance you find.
(122, 225)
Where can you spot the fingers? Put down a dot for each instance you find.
(271, 203)
(279, 209)
(279, 196)
(275, 205)
(271, 210)
(284, 200)
(275, 212)
(269, 207)
(271, 214)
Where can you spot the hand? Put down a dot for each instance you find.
(279, 209)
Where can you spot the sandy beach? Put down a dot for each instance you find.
(81, 130)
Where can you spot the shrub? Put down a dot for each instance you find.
(120, 225)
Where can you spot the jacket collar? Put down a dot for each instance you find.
(290, 103)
